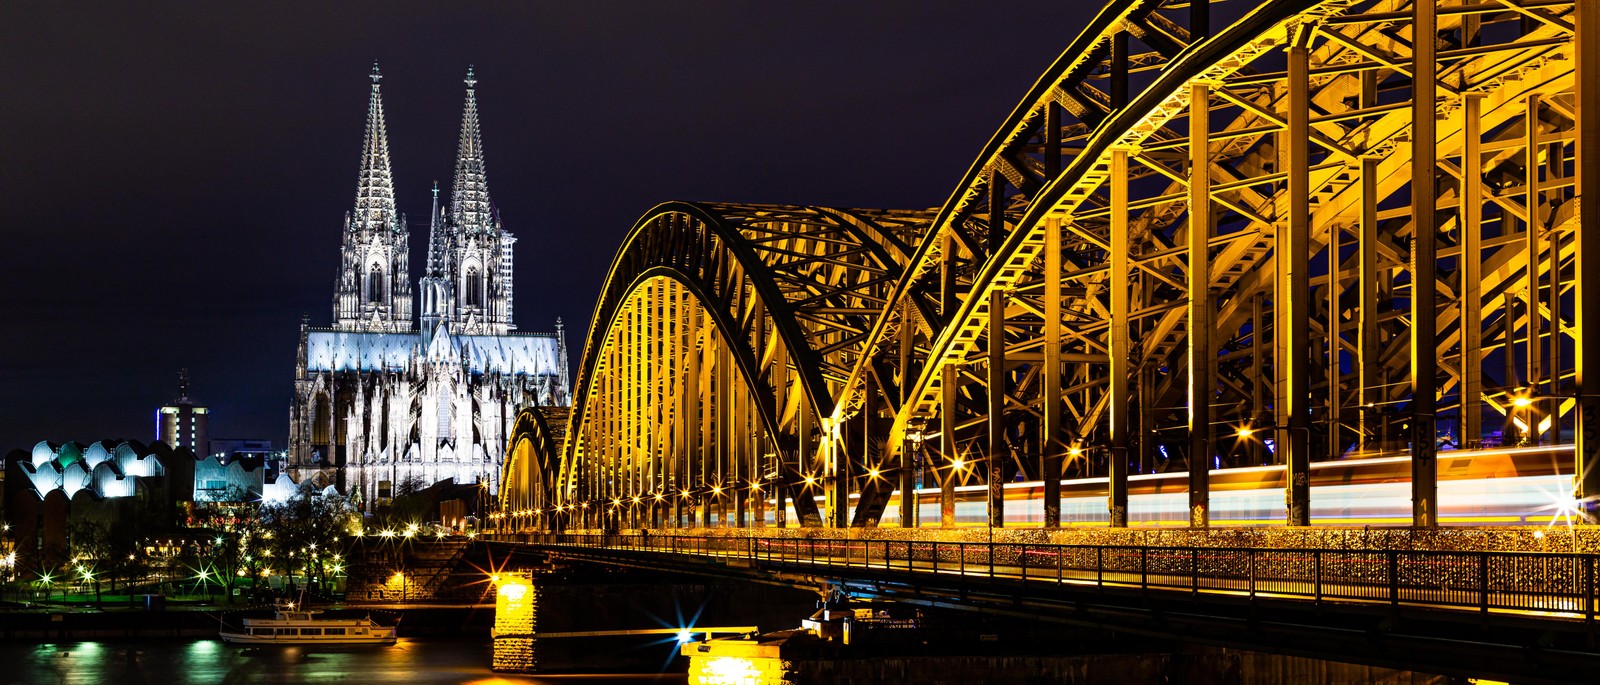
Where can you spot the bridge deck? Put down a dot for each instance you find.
(1519, 616)
(1546, 585)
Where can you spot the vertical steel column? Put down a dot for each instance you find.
(947, 445)
(681, 422)
(1471, 412)
(837, 481)
(997, 409)
(995, 471)
(1258, 365)
(1202, 384)
(1555, 168)
(1051, 437)
(693, 390)
(781, 488)
(908, 456)
(739, 439)
(1291, 310)
(1424, 251)
(1117, 463)
(1535, 250)
(1368, 346)
(1587, 242)
(706, 458)
(1335, 369)
(1508, 344)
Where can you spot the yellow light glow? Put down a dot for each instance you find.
(1245, 432)
(958, 464)
(873, 473)
(513, 591)
(659, 497)
(1521, 401)
(729, 670)
(1074, 451)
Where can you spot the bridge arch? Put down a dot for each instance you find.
(533, 457)
(760, 306)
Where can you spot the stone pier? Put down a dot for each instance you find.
(516, 612)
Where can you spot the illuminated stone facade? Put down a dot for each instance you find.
(381, 401)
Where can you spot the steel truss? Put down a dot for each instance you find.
(1039, 324)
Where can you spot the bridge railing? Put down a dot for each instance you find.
(1527, 582)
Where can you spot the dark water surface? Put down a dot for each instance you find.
(185, 662)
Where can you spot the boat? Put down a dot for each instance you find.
(291, 626)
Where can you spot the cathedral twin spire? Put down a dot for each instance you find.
(466, 282)
(375, 192)
(470, 208)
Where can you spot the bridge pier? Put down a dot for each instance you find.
(516, 612)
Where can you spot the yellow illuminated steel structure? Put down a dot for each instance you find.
(1347, 228)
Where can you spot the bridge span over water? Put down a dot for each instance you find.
(1280, 304)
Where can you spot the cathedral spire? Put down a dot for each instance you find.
(436, 278)
(470, 208)
(373, 290)
(375, 190)
(438, 243)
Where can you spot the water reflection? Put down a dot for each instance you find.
(182, 662)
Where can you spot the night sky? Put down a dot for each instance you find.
(176, 174)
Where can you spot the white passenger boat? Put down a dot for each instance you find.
(290, 626)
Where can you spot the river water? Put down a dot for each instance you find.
(210, 662)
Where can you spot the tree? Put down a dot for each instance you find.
(90, 544)
(304, 531)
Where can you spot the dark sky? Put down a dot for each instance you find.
(176, 174)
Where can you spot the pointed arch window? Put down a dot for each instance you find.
(375, 284)
(474, 288)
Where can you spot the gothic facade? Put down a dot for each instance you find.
(383, 400)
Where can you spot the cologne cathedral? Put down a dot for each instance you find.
(384, 402)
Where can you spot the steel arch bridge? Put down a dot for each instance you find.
(1204, 230)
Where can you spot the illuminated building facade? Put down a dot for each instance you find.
(380, 400)
(182, 423)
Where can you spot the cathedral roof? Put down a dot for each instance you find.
(512, 354)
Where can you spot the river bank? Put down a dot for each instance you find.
(428, 661)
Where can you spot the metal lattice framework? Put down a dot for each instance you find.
(1257, 182)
